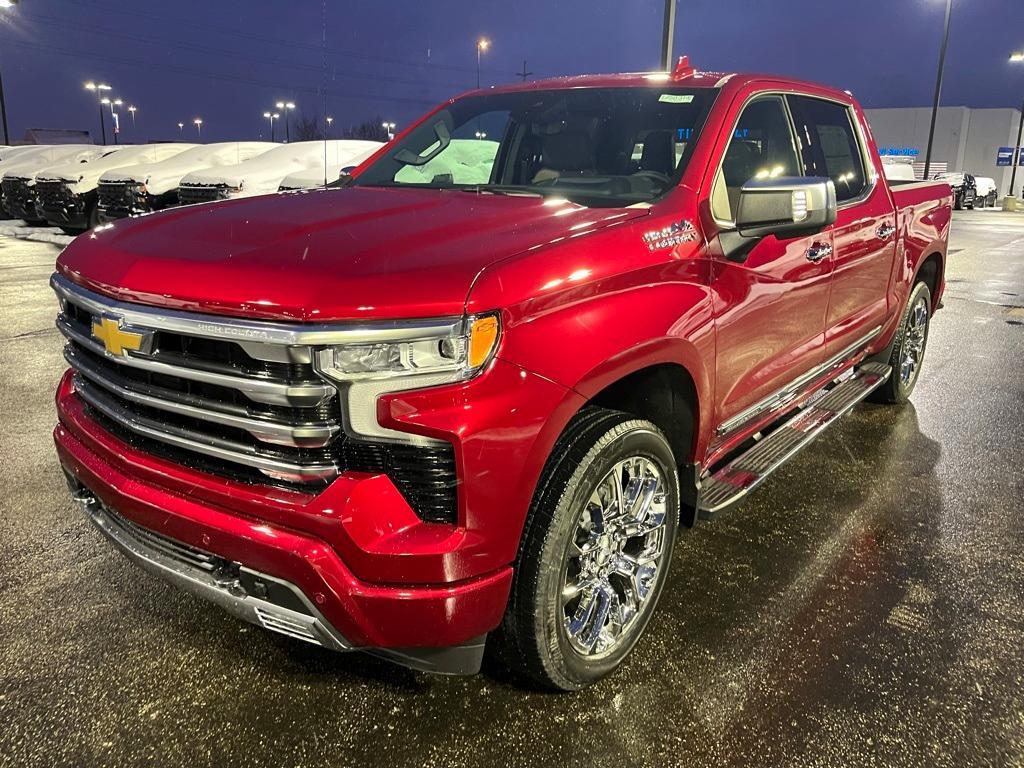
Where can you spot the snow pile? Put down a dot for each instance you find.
(83, 177)
(469, 161)
(39, 234)
(165, 175)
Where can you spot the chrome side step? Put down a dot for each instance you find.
(741, 475)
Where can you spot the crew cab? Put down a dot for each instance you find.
(431, 418)
(138, 189)
(68, 195)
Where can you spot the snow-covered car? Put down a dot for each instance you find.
(340, 154)
(898, 169)
(259, 176)
(463, 161)
(964, 188)
(18, 178)
(139, 189)
(67, 193)
(9, 153)
(985, 191)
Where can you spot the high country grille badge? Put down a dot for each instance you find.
(674, 234)
(118, 340)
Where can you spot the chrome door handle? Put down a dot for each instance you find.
(885, 231)
(819, 252)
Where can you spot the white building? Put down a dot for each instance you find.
(965, 139)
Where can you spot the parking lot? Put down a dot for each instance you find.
(863, 608)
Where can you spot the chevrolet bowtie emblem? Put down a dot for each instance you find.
(119, 341)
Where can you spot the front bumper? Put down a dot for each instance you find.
(377, 577)
(61, 207)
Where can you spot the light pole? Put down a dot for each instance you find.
(938, 89)
(181, 128)
(287, 106)
(271, 116)
(390, 128)
(327, 131)
(115, 121)
(199, 126)
(131, 109)
(98, 89)
(1017, 58)
(4, 4)
(481, 45)
(481, 135)
(667, 33)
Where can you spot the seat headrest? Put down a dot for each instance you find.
(658, 153)
(568, 151)
(742, 161)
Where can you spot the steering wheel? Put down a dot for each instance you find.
(658, 176)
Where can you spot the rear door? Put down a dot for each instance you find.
(864, 234)
(770, 306)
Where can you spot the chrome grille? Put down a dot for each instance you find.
(19, 198)
(119, 199)
(55, 197)
(202, 194)
(210, 397)
(248, 407)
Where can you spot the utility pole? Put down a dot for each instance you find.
(1017, 154)
(3, 110)
(938, 90)
(667, 33)
(524, 74)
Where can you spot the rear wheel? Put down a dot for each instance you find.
(908, 348)
(595, 551)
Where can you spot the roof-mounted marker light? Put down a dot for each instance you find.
(683, 69)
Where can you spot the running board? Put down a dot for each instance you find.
(744, 473)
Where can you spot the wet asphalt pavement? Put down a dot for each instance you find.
(863, 608)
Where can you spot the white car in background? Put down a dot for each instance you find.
(345, 153)
(985, 192)
(898, 169)
(18, 175)
(262, 175)
(139, 189)
(67, 193)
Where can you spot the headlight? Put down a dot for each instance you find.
(383, 360)
(455, 351)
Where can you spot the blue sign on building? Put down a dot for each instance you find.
(899, 151)
(1004, 156)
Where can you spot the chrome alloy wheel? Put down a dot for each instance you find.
(614, 556)
(914, 339)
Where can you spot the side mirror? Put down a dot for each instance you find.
(344, 177)
(789, 206)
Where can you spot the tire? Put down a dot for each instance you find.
(73, 231)
(958, 203)
(569, 584)
(900, 386)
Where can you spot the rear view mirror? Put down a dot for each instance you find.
(788, 206)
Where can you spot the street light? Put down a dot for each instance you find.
(181, 128)
(115, 121)
(938, 89)
(199, 126)
(481, 45)
(390, 128)
(131, 110)
(98, 89)
(1017, 58)
(287, 106)
(271, 116)
(481, 135)
(330, 121)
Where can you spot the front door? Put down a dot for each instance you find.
(770, 307)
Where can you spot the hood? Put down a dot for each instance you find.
(32, 164)
(165, 175)
(82, 177)
(338, 254)
(264, 174)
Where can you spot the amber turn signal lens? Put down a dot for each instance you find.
(483, 337)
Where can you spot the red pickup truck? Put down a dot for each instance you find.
(473, 395)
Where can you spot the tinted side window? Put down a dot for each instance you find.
(829, 144)
(761, 147)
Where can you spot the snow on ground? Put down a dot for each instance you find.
(22, 231)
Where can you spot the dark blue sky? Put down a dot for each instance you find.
(228, 60)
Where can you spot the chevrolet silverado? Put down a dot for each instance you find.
(451, 408)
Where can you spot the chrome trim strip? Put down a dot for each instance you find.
(258, 390)
(277, 433)
(241, 331)
(792, 390)
(229, 597)
(219, 448)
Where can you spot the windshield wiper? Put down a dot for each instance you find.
(500, 189)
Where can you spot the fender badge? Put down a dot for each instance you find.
(674, 234)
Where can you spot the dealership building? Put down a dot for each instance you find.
(978, 141)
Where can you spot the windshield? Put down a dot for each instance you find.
(594, 146)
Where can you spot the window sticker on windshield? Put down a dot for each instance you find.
(676, 98)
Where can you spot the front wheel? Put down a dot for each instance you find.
(908, 348)
(595, 552)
